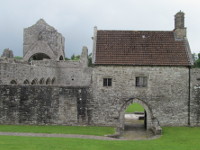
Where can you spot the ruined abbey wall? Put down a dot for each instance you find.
(43, 105)
(21, 72)
(166, 98)
(46, 72)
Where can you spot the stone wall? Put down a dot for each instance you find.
(63, 73)
(19, 72)
(43, 105)
(165, 99)
(195, 97)
(166, 94)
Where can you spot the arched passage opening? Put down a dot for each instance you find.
(136, 119)
(148, 115)
(39, 56)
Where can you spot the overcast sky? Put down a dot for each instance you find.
(75, 19)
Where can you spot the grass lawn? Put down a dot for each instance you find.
(134, 108)
(85, 130)
(174, 138)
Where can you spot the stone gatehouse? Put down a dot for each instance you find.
(152, 68)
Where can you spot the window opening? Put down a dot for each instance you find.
(107, 82)
(141, 82)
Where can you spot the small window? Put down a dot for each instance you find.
(107, 82)
(141, 82)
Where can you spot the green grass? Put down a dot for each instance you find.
(174, 138)
(18, 57)
(85, 130)
(134, 108)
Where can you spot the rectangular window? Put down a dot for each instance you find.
(141, 82)
(107, 82)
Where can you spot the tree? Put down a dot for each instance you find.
(18, 57)
(90, 60)
(196, 60)
(75, 57)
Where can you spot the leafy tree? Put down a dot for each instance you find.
(197, 60)
(67, 58)
(75, 57)
(90, 60)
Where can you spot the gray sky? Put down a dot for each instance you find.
(75, 19)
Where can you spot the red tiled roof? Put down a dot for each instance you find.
(140, 48)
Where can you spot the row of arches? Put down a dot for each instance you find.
(35, 81)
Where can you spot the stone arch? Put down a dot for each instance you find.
(26, 82)
(61, 58)
(53, 80)
(42, 81)
(39, 56)
(149, 114)
(35, 81)
(48, 81)
(13, 82)
(39, 47)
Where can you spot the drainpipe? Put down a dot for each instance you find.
(189, 96)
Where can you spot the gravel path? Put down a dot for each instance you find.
(59, 135)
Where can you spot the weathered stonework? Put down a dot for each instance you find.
(166, 95)
(41, 38)
(45, 89)
(43, 105)
(195, 97)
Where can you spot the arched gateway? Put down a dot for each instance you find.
(151, 122)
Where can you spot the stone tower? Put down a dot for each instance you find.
(42, 41)
(180, 30)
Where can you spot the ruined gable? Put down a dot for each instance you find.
(43, 41)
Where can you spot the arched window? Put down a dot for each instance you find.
(13, 82)
(26, 82)
(53, 81)
(61, 57)
(39, 56)
(42, 81)
(48, 81)
(35, 81)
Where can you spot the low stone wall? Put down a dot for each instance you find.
(43, 105)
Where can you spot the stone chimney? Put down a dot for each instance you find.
(94, 38)
(180, 30)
